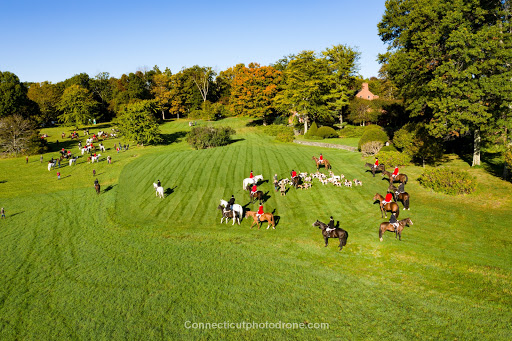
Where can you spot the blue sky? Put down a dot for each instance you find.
(54, 40)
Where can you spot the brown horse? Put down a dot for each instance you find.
(390, 206)
(339, 233)
(403, 197)
(400, 177)
(386, 226)
(269, 217)
(258, 195)
(97, 188)
(326, 163)
(374, 169)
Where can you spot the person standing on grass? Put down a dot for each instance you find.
(26, 159)
(3, 213)
(41, 159)
(94, 172)
(276, 185)
(58, 175)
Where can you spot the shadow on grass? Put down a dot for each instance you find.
(15, 214)
(109, 187)
(168, 191)
(171, 138)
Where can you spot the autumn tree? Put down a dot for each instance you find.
(161, 91)
(15, 133)
(253, 90)
(77, 106)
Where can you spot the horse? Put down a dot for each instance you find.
(95, 158)
(51, 165)
(159, 190)
(296, 181)
(403, 197)
(339, 233)
(374, 169)
(97, 188)
(256, 195)
(236, 207)
(269, 217)
(390, 206)
(253, 180)
(326, 163)
(227, 213)
(400, 177)
(73, 160)
(386, 226)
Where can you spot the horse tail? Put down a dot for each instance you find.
(406, 178)
(407, 202)
(397, 211)
(272, 220)
(380, 231)
(344, 242)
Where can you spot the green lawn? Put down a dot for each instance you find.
(347, 141)
(127, 265)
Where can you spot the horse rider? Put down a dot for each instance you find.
(293, 174)
(254, 189)
(400, 189)
(395, 172)
(321, 159)
(393, 221)
(387, 199)
(158, 183)
(260, 212)
(231, 202)
(251, 175)
(330, 226)
(376, 164)
(96, 183)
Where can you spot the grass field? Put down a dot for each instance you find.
(126, 265)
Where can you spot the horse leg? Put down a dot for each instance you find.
(341, 242)
(326, 241)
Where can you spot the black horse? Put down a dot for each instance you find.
(296, 181)
(97, 188)
(338, 232)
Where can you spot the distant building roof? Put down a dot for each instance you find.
(365, 93)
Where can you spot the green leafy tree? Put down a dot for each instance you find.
(13, 95)
(77, 106)
(305, 87)
(342, 64)
(47, 97)
(446, 58)
(137, 122)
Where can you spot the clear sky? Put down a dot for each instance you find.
(54, 40)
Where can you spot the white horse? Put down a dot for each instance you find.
(95, 158)
(72, 161)
(159, 190)
(102, 147)
(51, 165)
(253, 181)
(236, 208)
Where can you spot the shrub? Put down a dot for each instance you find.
(281, 120)
(311, 131)
(448, 181)
(373, 134)
(326, 132)
(208, 137)
(390, 148)
(393, 158)
(371, 148)
(351, 131)
(274, 130)
(285, 136)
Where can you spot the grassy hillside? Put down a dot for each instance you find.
(128, 265)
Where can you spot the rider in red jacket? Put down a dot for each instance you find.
(260, 211)
(388, 198)
(376, 162)
(251, 176)
(254, 189)
(321, 159)
(294, 174)
(395, 172)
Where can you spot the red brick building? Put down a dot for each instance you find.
(365, 93)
